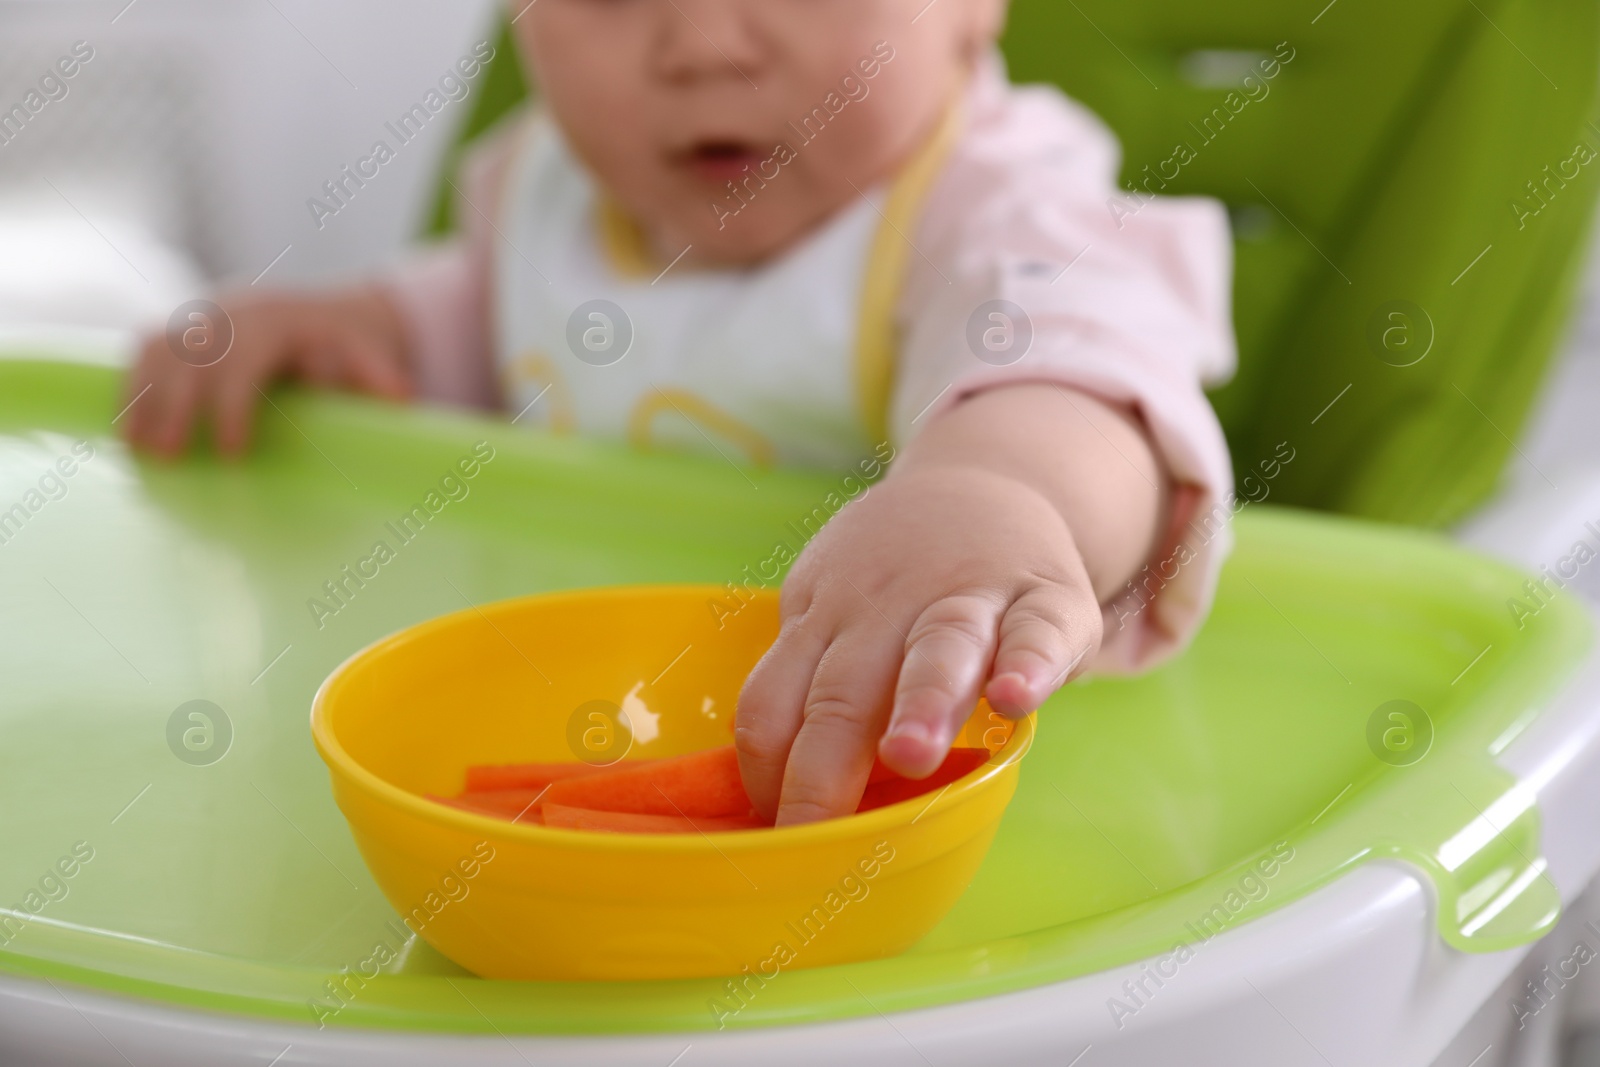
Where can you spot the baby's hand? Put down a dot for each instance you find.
(977, 567)
(940, 585)
(350, 341)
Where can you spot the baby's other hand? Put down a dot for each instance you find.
(352, 340)
(942, 584)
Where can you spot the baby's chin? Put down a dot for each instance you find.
(715, 249)
(757, 233)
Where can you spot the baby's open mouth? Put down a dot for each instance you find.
(719, 160)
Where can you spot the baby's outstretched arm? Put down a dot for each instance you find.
(976, 568)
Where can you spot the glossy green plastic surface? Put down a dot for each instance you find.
(1143, 809)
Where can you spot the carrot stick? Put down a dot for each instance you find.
(695, 784)
(880, 772)
(491, 776)
(509, 802)
(958, 764)
(698, 791)
(629, 822)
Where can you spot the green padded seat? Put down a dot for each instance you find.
(1383, 212)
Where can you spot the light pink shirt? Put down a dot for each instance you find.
(1130, 305)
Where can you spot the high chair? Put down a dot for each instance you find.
(1325, 834)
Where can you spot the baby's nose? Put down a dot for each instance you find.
(709, 39)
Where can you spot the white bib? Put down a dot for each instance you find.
(787, 362)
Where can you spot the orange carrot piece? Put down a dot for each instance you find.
(491, 776)
(469, 802)
(880, 772)
(695, 784)
(629, 822)
(696, 792)
(959, 763)
(510, 802)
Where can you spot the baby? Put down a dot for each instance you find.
(817, 231)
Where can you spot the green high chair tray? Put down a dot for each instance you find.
(209, 867)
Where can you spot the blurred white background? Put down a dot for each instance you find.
(182, 154)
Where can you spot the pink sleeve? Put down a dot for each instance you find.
(1130, 304)
(445, 292)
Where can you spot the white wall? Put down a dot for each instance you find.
(186, 149)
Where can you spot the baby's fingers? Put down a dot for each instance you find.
(367, 367)
(235, 387)
(167, 411)
(235, 405)
(136, 389)
(844, 712)
(946, 659)
(771, 707)
(1047, 636)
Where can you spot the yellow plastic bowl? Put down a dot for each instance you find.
(515, 681)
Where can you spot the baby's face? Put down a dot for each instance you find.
(801, 104)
